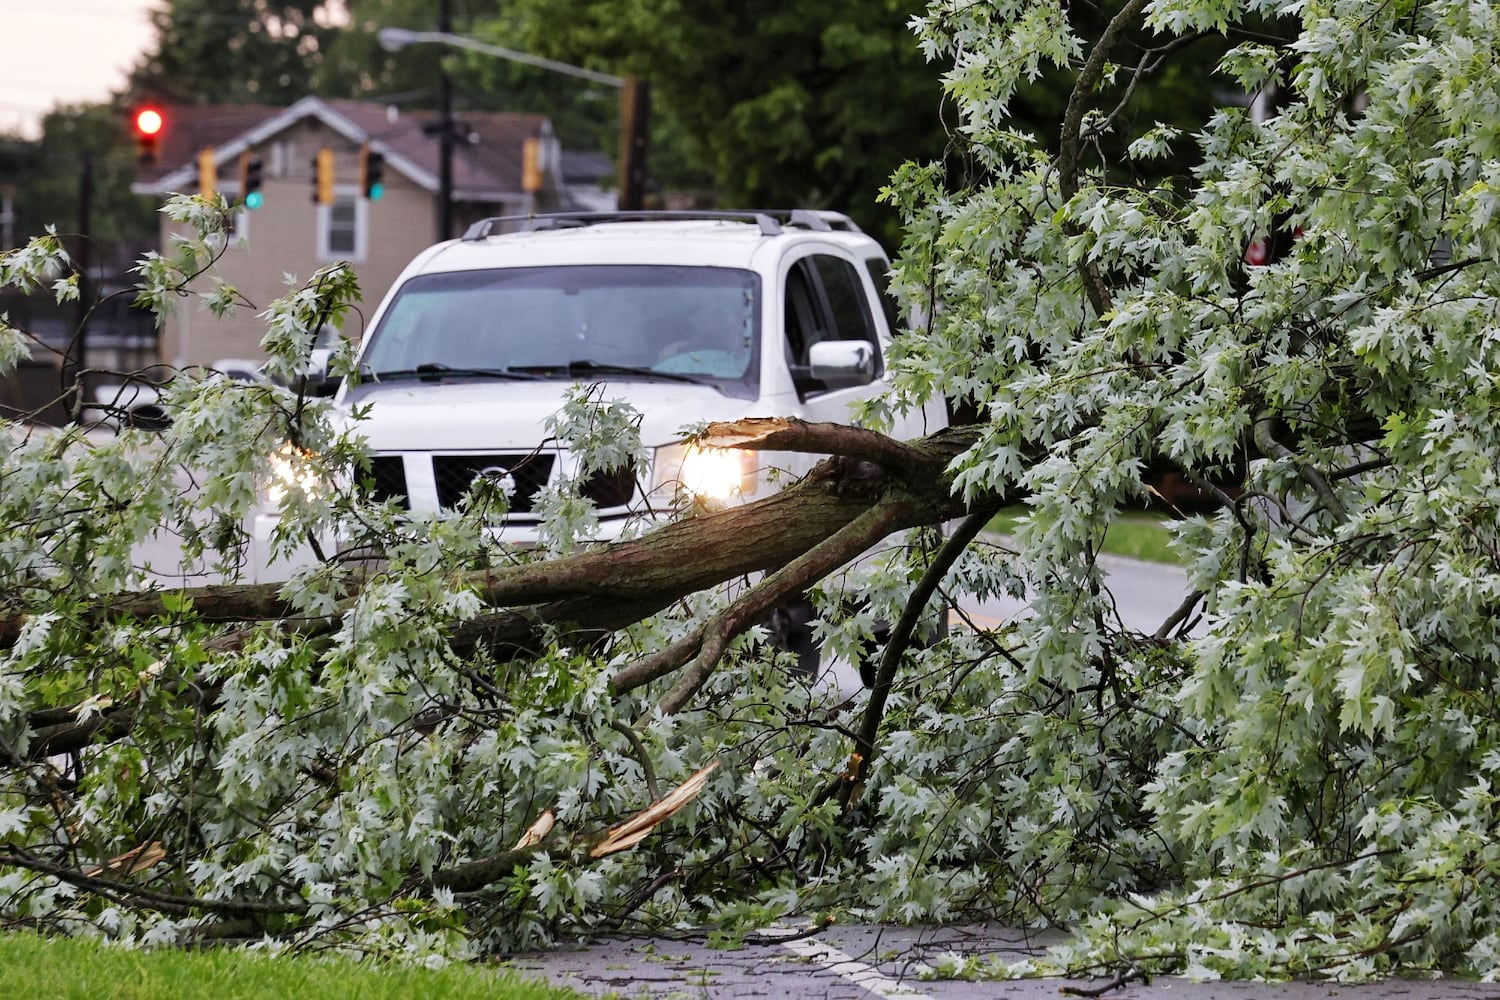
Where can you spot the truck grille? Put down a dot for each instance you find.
(388, 480)
(610, 487)
(454, 474)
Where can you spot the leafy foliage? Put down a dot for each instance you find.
(1295, 776)
(1321, 788)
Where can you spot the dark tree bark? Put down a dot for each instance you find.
(612, 585)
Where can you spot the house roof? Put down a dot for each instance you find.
(485, 168)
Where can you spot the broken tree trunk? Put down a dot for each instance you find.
(870, 488)
(611, 585)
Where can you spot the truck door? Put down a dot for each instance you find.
(827, 300)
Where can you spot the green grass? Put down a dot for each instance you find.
(1135, 533)
(53, 969)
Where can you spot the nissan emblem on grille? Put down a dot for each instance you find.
(497, 476)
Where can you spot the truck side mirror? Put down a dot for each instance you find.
(842, 363)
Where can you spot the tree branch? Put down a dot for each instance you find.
(858, 537)
(610, 586)
(901, 632)
(472, 875)
(642, 757)
(1070, 145)
(147, 898)
(791, 434)
(1265, 440)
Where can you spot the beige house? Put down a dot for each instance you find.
(291, 234)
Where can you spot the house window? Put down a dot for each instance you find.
(342, 233)
(342, 228)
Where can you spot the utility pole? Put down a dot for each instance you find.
(635, 117)
(78, 352)
(445, 139)
(7, 215)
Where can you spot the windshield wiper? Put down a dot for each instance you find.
(586, 367)
(434, 371)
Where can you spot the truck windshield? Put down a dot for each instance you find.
(620, 321)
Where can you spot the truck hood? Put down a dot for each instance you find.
(490, 416)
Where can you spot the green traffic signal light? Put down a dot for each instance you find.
(371, 172)
(250, 180)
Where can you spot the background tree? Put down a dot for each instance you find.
(584, 116)
(238, 52)
(460, 749)
(817, 111)
(49, 172)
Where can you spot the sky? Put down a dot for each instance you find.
(65, 51)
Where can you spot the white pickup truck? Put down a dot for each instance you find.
(687, 316)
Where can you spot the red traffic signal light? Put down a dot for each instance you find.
(149, 123)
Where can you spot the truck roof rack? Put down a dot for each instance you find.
(770, 221)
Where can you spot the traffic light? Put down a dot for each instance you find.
(208, 173)
(148, 123)
(323, 177)
(371, 172)
(250, 180)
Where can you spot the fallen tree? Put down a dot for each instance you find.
(872, 489)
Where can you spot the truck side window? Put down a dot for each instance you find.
(880, 273)
(802, 326)
(847, 305)
(825, 300)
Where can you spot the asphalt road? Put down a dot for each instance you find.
(887, 963)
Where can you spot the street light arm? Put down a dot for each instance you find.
(392, 39)
(634, 101)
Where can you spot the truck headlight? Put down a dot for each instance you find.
(290, 470)
(716, 474)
